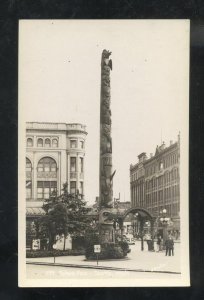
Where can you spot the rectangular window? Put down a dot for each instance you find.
(81, 165)
(73, 187)
(73, 143)
(81, 188)
(46, 193)
(45, 189)
(40, 189)
(82, 144)
(73, 164)
(28, 189)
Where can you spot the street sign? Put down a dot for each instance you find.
(36, 244)
(97, 248)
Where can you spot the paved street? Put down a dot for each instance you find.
(137, 260)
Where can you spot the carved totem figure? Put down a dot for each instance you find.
(106, 176)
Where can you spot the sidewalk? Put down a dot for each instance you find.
(137, 260)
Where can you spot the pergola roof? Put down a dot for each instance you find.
(35, 211)
(142, 212)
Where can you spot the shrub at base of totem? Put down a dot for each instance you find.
(108, 251)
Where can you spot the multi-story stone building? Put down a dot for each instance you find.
(155, 183)
(54, 155)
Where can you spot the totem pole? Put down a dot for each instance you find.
(106, 176)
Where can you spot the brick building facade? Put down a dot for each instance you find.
(155, 182)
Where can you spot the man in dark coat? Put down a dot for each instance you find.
(169, 244)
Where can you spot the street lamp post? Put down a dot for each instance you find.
(164, 221)
(141, 231)
(141, 224)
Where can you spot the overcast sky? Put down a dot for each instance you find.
(59, 81)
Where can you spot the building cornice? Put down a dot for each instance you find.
(65, 127)
(161, 153)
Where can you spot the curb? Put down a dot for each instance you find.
(98, 267)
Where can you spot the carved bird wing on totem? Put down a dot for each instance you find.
(111, 178)
(110, 64)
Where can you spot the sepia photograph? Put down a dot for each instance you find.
(103, 153)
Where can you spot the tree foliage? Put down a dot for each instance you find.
(65, 214)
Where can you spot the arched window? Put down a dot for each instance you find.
(47, 143)
(47, 164)
(40, 143)
(28, 165)
(29, 142)
(54, 143)
(47, 173)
